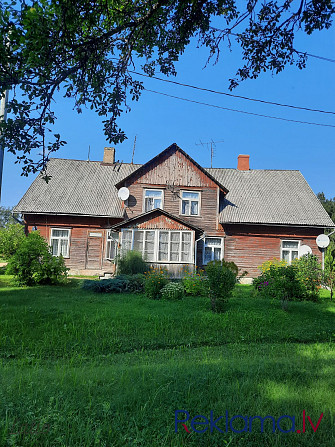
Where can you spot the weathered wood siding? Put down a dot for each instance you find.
(87, 253)
(250, 245)
(173, 174)
(157, 222)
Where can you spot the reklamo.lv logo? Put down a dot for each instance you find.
(222, 424)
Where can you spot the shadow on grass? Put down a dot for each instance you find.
(130, 399)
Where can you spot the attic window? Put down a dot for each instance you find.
(153, 198)
(190, 203)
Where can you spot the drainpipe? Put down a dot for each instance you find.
(195, 249)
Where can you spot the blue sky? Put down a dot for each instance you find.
(158, 121)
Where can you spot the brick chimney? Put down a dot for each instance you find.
(109, 155)
(243, 162)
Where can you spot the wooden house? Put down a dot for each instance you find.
(177, 213)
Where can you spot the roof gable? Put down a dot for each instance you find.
(156, 219)
(175, 166)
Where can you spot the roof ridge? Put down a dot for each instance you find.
(94, 161)
(251, 170)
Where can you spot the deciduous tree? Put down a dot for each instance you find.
(88, 48)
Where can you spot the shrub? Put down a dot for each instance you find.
(173, 291)
(106, 285)
(309, 273)
(231, 266)
(33, 263)
(296, 282)
(155, 280)
(10, 239)
(135, 283)
(119, 284)
(272, 263)
(195, 284)
(280, 282)
(221, 281)
(329, 273)
(131, 263)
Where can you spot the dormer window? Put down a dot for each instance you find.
(190, 203)
(153, 198)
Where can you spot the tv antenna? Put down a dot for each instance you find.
(132, 158)
(88, 155)
(212, 144)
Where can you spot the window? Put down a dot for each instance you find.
(149, 246)
(190, 203)
(213, 249)
(111, 245)
(160, 245)
(153, 198)
(289, 250)
(126, 243)
(60, 242)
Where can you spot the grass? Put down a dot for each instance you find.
(111, 370)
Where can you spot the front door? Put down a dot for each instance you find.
(94, 250)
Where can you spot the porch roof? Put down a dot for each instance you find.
(151, 214)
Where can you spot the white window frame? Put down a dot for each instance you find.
(111, 239)
(156, 244)
(205, 244)
(289, 249)
(68, 238)
(181, 203)
(144, 198)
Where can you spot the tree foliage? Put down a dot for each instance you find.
(328, 204)
(11, 237)
(6, 216)
(88, 49)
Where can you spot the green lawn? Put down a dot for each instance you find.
(110, 370)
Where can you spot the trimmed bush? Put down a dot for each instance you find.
(131, 263)
(155, 280)
(119, 284)
(221, 281)
(173, 291)
(33, 263)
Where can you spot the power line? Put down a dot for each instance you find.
(317, 57)
(228, 33)
(234, 96)
(240, 111)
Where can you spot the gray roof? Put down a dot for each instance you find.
(256, 196)
(270, 196)
(76, 187)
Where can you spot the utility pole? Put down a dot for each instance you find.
(212, 145)
(3, 118)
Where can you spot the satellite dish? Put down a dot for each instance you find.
(305, 250)
(123, 193)
(322, 241)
